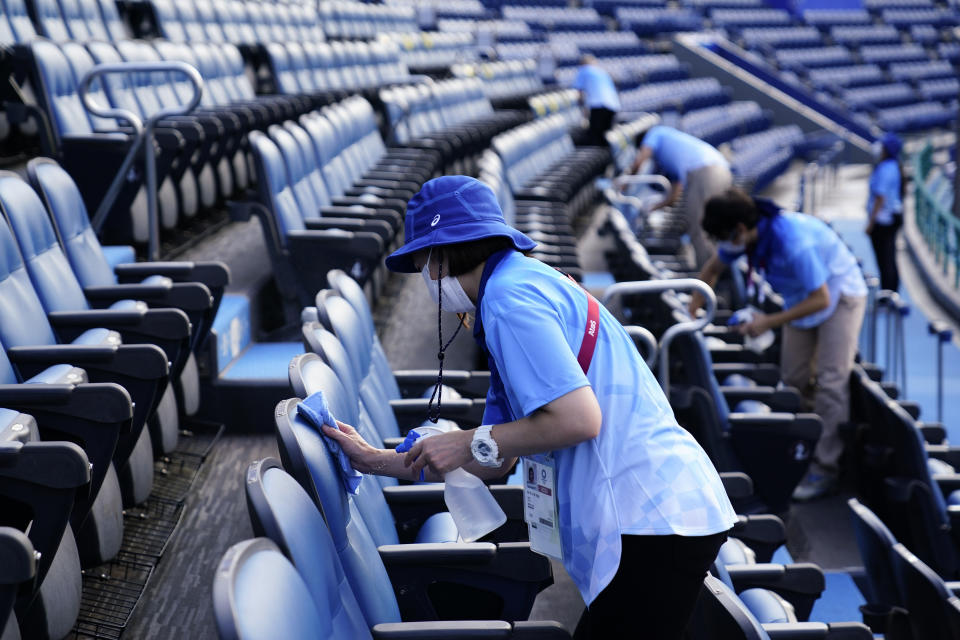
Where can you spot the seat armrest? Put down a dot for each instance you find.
(143, 361)
(381, 228)
(169, 323)
(787, 399)
(509, 497)
(799, 584)
(762, 532)
(932, 432)
(814, 630)
(363, 212)
(947, 453)
(737, 484)
(212, 273)
(442, 630)
(180, 295)
(412, 382)
(410, 412)
(440, 553)
(353, 244)
(762, 374)
(99, 402)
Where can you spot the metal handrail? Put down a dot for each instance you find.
(936, 223)
(645, 338)
(143, 131)
(659, 286)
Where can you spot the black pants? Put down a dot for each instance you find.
(600, 121)
(655, 589)
(883, 237)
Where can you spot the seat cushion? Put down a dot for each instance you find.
(438, 528)
(751, 406)
(98, 337)
(734, 551)
(940, 467)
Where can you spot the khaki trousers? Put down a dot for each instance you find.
(702, 184)
(818, 361)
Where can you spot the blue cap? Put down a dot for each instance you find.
(450, 210)
(892, 144)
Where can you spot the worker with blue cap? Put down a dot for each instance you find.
(614, 487)
(885, 208)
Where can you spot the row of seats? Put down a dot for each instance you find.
(234, 21)
(325, 67)
(434, 51)
(489, 30)
(199, 158)
(565, 102)
(503, 81)
(548, 19)
(439, 9)
(676, 95)
(600, 44)
(720, 124)
(111, 397)
(61, 21)
(758, 158)
(647, 22)
(631, 71)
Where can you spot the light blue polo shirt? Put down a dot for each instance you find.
(797, 254)
(885, 181)
(643, 474)
(598, 87)
(677, 153)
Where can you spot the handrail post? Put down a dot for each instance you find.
(144, 137)
(648, 287)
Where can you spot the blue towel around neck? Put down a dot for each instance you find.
(316, 411)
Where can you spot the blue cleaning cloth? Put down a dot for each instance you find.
(407, 443)
(315, 411)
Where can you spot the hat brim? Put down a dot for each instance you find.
(401, 260)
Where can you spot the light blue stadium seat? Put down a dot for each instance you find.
(508, 568)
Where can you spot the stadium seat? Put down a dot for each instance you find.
(509, 569)
(933, 605)
(31, 345)
(38, 484)
(19, 562)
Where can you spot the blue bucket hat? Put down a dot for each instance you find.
(892, 144)
(450, 210)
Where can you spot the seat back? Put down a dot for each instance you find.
(23, 322)
(50, 18)
(351, 537)
(258, 595)
(59, 90)
(299, 169)
(273, 185)
(63, 201)
(719, 613)
(20, 23)
(309, 155)
(112, 20)
(49, 270)
(876, 546)
(281, 510)
(934, 609)
(76, 18)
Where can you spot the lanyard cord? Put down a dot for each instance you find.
(434, 416)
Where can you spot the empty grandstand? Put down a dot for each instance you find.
(198, 198)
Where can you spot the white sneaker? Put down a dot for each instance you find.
(815, 485)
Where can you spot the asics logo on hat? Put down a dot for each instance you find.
(435, 220)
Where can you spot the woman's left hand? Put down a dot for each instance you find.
(759, 324)
(442, 453)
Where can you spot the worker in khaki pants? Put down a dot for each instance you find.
(694, 168)
(824, 296)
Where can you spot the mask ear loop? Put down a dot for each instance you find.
(434, 416)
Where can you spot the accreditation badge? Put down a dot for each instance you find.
(540, 508)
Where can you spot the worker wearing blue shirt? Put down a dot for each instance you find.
(885, 208)
(824, 297)
(694, 168)
(598, 94)
(625, 497)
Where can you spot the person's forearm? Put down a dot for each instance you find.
(816, 301)
(710, 273)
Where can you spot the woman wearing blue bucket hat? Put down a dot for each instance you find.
(615, 488)
(885, 208)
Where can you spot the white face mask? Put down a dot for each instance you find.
(731, 248)
(455, 299)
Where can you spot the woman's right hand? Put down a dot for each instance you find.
(361, 453)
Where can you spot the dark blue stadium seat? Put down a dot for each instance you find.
(934, 607)
(19, 562)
